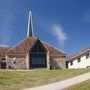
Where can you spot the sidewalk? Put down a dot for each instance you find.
(63, 84)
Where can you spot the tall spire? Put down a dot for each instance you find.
(30, 25)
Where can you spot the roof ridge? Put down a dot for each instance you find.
(79, 53)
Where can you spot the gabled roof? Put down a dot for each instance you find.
(53, 51)
(3, 51)
(24, 46)
(79, 54)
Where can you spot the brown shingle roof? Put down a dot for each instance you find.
(3, 51)
(24, 46)
(53, 51)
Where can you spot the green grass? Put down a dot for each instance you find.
(17, 80)
(81, 86)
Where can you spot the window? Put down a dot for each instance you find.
(79, 60)
(32, 61)
(71, 63)
(39, 61)
(43, 61)
(35, 61)
(87, 55)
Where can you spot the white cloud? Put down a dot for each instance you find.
(60, 35)
(86, 16)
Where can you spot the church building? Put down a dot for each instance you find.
(32, 53)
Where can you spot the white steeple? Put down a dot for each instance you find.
(30, 25)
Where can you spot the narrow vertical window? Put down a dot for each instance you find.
(79, 60)
(87, 55)
(71, 63)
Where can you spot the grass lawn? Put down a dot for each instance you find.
(81, 86)
(17, 80)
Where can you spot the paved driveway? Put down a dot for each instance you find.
(63, 84)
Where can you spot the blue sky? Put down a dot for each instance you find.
(65, 24)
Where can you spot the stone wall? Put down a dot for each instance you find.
(15, 62)
(58, 63)
(21, 62)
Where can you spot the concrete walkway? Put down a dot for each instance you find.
(63, 84)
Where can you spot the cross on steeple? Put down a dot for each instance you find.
(30, 25)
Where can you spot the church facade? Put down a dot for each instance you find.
(33, 53)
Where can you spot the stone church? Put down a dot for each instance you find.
(32, 53)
